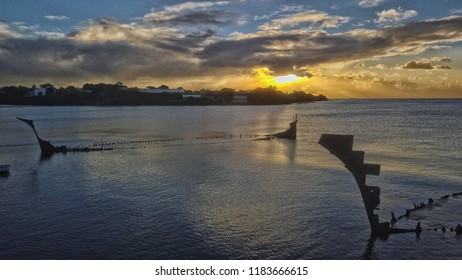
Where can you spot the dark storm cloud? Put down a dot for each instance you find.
(305, 49)
(281, 51)
(103, 48)
(245, 52)
(446, 29)
(68, 59)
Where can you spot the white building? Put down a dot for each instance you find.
(39, 92)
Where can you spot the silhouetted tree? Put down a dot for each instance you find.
(118, 94)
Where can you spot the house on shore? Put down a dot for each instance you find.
(38, 92)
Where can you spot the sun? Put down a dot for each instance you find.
(286, 79)
(266, 76)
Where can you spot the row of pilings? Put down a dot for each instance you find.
(113, 143)
(173, 139)
(431, 202)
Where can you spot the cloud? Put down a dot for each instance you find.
(380, 66)
(51, 17)
(370, 3)
(51, 35)
(16, 29)
(104, 48)
(359, 75)
(215, 17)
(422, 64)
(401, 84)
(67, 59)
(193, 13)
(441, 59)
(193, 6)
(108, 29)
(417, 64)
(367, 80)
(302, 72)
(448, 85)
(319, 19)
(392, 15)
(6, 32)
(441, 67)
(187, 43)
(283, 9)
(282, 50)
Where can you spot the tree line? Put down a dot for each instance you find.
(102, 94)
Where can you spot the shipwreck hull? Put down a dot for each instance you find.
(47, 149)
(290, 133)
(341, 146)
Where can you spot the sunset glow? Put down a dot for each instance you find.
(286, 79)
(177, 139)
(286, 83)
(359, 49)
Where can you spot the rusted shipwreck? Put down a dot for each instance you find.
(290, 133)
(47, 149)
(341, 146)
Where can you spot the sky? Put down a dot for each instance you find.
(342, 49)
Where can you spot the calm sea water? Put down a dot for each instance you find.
(228, 197)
